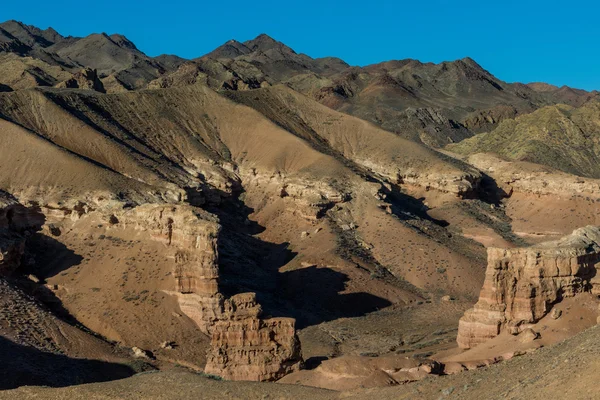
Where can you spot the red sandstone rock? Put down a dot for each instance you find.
(254, 349)
(522, 284)
(243, 345)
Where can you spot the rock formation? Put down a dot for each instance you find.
(525, 177)
(85, 79)
(12, 245)
(246, 347)
(522, 284)
(307, 199)
(243, 346)
(481, 120)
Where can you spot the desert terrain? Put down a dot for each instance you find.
(257, 223)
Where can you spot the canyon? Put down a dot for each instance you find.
(255, 214)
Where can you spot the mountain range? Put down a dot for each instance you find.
(436, 104)
(258, 214)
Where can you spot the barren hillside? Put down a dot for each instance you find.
(255, 214)
(562, 137)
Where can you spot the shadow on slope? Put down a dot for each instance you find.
(47, 257)
(315, 296)
(51, 256)
(249, 264)
(28, 366)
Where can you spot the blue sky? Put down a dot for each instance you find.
(525, 41)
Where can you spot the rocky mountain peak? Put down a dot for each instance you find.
(31, 35)
(467, 64)
(123, 42)
(264, 42)
(470, 61)
(231, 49)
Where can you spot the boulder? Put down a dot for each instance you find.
(556, 313)
(140, 353)
(528, 336)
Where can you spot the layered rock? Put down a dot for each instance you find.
(268, 348)
(522, 284)
(463, 185)
(524, 177)
(190, 235)
(244, 346)
(305, 198)
(482, 120)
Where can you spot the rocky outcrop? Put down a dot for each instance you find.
(238, 75)
(307, 199)
(482, 120)
(190, 235)
(244, 346)
(522, 284)
(189, 73)
(85, 79)
(463, 185)
(524, 177)
(430, 126)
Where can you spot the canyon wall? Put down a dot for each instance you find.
(522, 284)
(190, 236)
(244, 346)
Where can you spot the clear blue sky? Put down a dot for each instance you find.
(527, 40)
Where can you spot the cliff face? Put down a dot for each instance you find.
(244, 346)
(522, 284)
(247, 347)
(192, 235)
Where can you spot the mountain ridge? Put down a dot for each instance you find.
(259, 214)
(380, 93)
